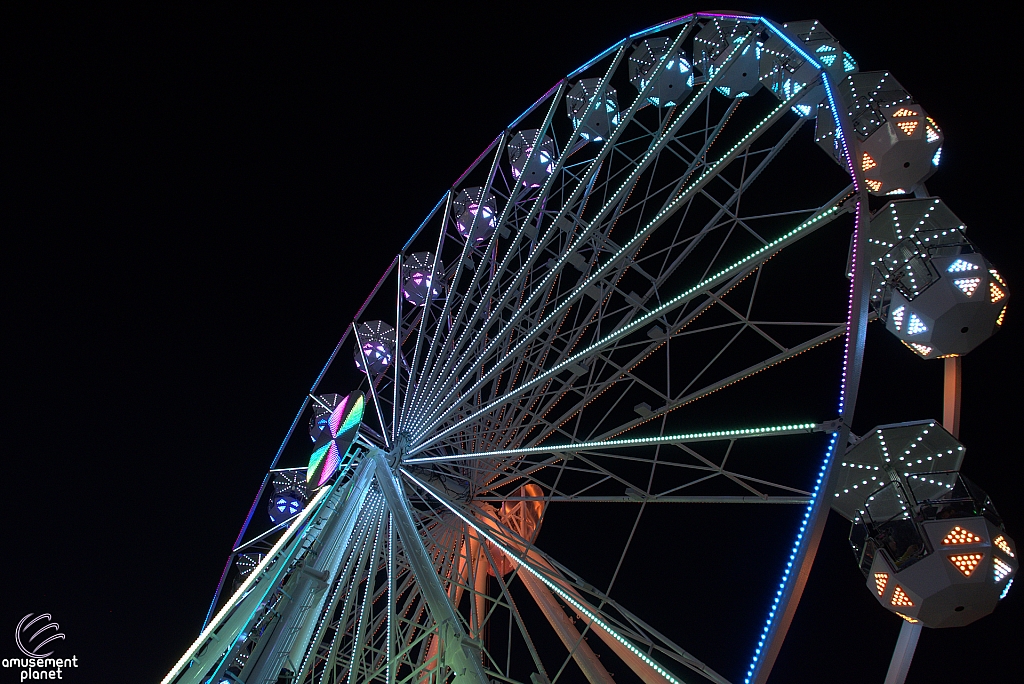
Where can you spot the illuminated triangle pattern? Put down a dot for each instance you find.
(875, 185)
(959, 535)
(900, 598)
(967, 285)
(1002, 316)
(881, 579)
(995, 293)
(995, 274)
(922, 349)
(909, 619)
(966, 562)
(903, 111)
(1001, 544)
(960, 265)
(1000, 569)
(916, 326)
(897, 317)
(930, 134)
(247, 562)
(907, 127)
(867, 162)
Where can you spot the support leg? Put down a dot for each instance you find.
(581, 652)
(909, 633)
(454, 643)
(951, 395)
(903, 653)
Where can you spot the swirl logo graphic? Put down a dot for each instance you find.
(31, 635)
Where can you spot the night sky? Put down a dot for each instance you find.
(204, 199)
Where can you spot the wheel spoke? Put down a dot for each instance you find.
(732, 273)
(604, 289)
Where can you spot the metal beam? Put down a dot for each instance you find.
(220, 635)
(710, 436)
(903, 654)
(527, 558)
(805, 548)
(623, 191)
(308, 592)
(906, 644)
(457, 652)
(951, 395)
(654, 498)
(584, 186)
(744, 265)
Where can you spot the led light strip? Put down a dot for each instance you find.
(244, 588)
(417, 427)
(655, 313)
(797, 428)
(627, 184)
(823, 471)
(566, 596)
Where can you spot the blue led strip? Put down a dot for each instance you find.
(596, 59)
(662, 26)
(839, 134)
(798, 549)
(434, 210)
(540, 101)
(216, 594)
(792, 557)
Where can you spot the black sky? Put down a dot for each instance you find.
(199, 201)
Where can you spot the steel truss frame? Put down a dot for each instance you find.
(577, 355)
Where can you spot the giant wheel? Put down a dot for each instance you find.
(642, 303)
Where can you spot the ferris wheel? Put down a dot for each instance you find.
(623, 313)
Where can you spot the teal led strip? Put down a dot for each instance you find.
(796, 428)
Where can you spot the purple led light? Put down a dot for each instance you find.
(376, 353)
(746, 17)
(216, 595)
(337, 415)
(484, 223)
(468, 170)
(331, 461)
(543, 157)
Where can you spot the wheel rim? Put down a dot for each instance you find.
(542, 374)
